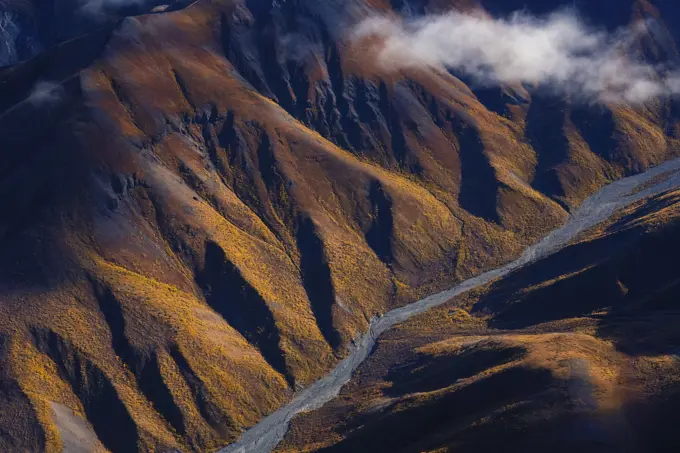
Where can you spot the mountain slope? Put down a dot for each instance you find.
(203, 208)
(574, 351)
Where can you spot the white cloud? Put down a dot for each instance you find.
(558, 52)
(99, 8)
(46, 93)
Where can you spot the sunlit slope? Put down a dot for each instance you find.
(573, 352)
(203, 216)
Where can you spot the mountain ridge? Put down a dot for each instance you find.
(195, 193)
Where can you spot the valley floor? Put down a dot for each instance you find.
(576, 351)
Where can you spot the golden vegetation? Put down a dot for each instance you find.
(183, 153)
(608, 371)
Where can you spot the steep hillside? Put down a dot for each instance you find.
(574, 352)
(201, 209)
(31, 27)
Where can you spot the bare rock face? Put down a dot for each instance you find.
(203, 207)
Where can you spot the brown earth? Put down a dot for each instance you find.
(204, 212)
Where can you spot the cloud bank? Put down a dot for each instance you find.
(557, 52)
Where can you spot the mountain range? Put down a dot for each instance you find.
(205, 204)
